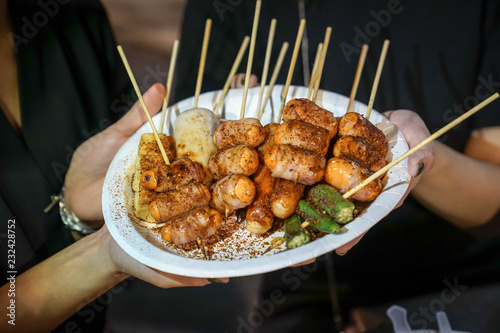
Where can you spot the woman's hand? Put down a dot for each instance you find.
(121, 262)
(85, 177)
(414, 131)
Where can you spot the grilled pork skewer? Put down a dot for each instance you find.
(247, 131)
(171, 177)
(361, 151)
(345, 174)
(170, 204)
(200, 222)
(259, 216)
(354, 124)
(295, 164)
(236, 160)
(307, 111)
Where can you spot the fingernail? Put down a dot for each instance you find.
(213, 280)
(341, 253)
(420, 168)
(158, 86)
(243, 81)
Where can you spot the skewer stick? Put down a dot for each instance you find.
(292, 66)
(232, 73)
(274, 77)
(267, 60)
(250, 57)
(421, 144)
(359, 70)
(326, 42)
(202, 248)
(315, 70)
(201, 69)
(144, 107)
(168, 85)
(377, 78)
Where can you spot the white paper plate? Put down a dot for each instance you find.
(243, 253)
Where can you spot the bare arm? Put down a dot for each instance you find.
(464, 188)
(50, 292)
(53, 290)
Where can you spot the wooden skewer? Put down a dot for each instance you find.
(292, 67)
(168, 85)
(232, 73)
(202, 248)
(305, 44)
(201, 69)
(144, 107)
(326, 42)
(377, 78)
(359, 70)
(250, 57)
(421, 144)
(274, 77)
(267, 60)
(315, 70)
(275, 243)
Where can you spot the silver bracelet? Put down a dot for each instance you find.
(70, 220)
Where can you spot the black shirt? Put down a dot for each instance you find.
(443, 59)
(72, 85)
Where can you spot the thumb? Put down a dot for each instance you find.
(135, 117)
(421, 161)
(342, 250)
(414, 131)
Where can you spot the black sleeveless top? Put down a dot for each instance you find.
(72, 85)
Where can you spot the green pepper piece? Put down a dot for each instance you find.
(327, 199)
(295, 235)
(320, 221)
